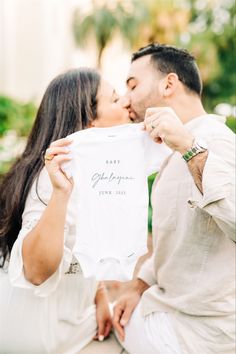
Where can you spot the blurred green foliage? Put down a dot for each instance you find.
(5, 166)
(205, 28)
(16, 115)
(150, 183)
(231, 123)
(105, 20)
(213, 41)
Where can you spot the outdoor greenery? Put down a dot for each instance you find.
(15, 123)
(16, 115)
(205, 28)
(213, 41)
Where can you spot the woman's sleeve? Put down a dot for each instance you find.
(34, 208)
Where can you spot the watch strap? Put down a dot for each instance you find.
(195, 150)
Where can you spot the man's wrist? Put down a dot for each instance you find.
(186, 145)
(199, 146)
(140, 286)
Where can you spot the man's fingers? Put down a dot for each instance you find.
(157, 136)
(126, 315)
(153, 121)
(155, 114)
(117, 314)
(154, 110)
(118, 310)
(120, 331)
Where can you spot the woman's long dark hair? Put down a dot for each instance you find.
(69, 104)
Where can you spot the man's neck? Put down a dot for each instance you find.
(188, 108)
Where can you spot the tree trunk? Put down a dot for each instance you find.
(99, 58)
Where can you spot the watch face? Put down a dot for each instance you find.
(200, 142)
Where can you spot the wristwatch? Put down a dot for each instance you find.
(199, 145)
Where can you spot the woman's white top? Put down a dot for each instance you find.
(57, 316)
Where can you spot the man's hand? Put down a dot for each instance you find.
(126, 305)
(164, 125)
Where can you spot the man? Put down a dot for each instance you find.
(183, 298)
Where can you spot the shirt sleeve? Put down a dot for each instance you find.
(34, 208)
(155, 154)
(218, 182)
(146, 272)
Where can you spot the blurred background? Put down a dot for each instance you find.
(41, 38)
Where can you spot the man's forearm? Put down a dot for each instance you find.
(140, 286)
(196, 166)
(197, 163)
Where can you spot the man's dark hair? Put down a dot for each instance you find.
(168, 59)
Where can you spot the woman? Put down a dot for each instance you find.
(46, 305)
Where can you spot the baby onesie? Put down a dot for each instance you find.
(110, 167)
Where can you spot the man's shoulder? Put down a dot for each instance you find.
(211, 126)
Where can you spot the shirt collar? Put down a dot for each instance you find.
(196, 121)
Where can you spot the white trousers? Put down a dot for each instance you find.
(38, 325)
(152, 334)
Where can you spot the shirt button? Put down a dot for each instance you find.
(192, 203)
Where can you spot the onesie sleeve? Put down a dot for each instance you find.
(34, 208)
(155, 154)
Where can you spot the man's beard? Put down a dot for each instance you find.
(137, 117)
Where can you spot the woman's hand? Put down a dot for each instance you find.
(55, 156)
(103, 316)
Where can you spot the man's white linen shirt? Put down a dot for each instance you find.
(192, 270)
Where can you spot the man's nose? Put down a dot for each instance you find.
(125, 101)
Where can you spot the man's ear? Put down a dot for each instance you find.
(170, 84)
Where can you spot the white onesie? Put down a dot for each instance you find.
(110, 167)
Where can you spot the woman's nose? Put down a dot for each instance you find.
(125, 101)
